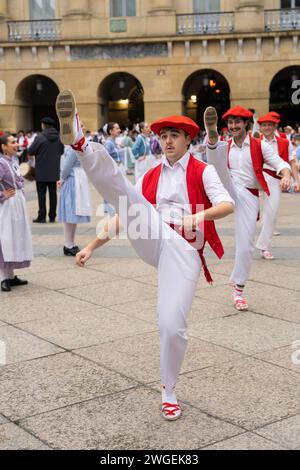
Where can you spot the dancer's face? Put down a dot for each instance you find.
(116, 131)
(11, 148)
(237, 127)
(175, 143)
(268, 129)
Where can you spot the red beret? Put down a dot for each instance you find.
(238, 111)
(267, 118)
(275, 115)
(179, 122)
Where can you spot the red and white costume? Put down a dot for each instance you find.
(162, 197)
(284, 149)
(241, 172)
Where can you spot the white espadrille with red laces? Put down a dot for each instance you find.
(70, 127)
(241, 305)
(267, 255)
(171, 411)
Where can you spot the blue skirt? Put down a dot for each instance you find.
(67, 204)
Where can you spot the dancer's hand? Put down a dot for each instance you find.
(296, 186)
(285, 183)
(141, 159)
(83, 256)
(192, 222)
(8, 193)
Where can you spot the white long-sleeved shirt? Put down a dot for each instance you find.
(274, 145)
(172, 194)
(241, 167)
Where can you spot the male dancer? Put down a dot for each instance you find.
(239, 164)
(284, 149)
(181, 193)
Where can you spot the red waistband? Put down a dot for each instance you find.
(272, 173)
(255, 192)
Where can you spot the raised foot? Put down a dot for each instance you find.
(210, 122)
(66, 111)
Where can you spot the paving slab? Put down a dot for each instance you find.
(287, 357)
(82, 329)
(247, 332)
(113, 293)
(53, 382)
(22, 346)
(134, 423)
(285, 432)
(247, 441)
(63, 279)
(139, 357)
(3, 419)
(128, 268)
(38, 307)
(12, 437)
(247, 393)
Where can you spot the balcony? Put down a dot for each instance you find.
(282, 20)
(205, 23)
(37, 30)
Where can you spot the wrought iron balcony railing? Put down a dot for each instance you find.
(35, 30)
(205, 23)
(282, 20)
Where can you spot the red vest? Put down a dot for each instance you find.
(282, 135)
(283, 152)
(283, 148)
(257, 162)
(197, 195)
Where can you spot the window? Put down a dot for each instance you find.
(122, 8)
(290, 3)
(42, 9)
(206, 6)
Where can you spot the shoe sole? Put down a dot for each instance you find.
(65, 109)
(173, 418)
(210, 121)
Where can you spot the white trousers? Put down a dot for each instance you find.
(177, 262)
(6, 273)
(271, 209)
(246, 212)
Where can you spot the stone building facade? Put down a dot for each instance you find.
(143, 59)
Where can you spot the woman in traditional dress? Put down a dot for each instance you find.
(74, 201)
(15, 234)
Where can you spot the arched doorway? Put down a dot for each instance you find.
(281, 95)
(35, 99)
(121, 99)
(205, 88)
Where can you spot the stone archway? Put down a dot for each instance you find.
(205, 88)
(121, 99)
(281, 95)
(35, 99)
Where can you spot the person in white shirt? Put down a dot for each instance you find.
(283, 148)
(174, 204)
(239, 164)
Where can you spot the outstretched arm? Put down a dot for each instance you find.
(110, 230)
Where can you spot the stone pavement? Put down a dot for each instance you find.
(82, 357)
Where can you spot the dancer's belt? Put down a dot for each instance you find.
(207, 274)
(272, 173)
(255, 192)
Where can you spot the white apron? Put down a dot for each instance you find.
(15, 233)
(82, 193)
